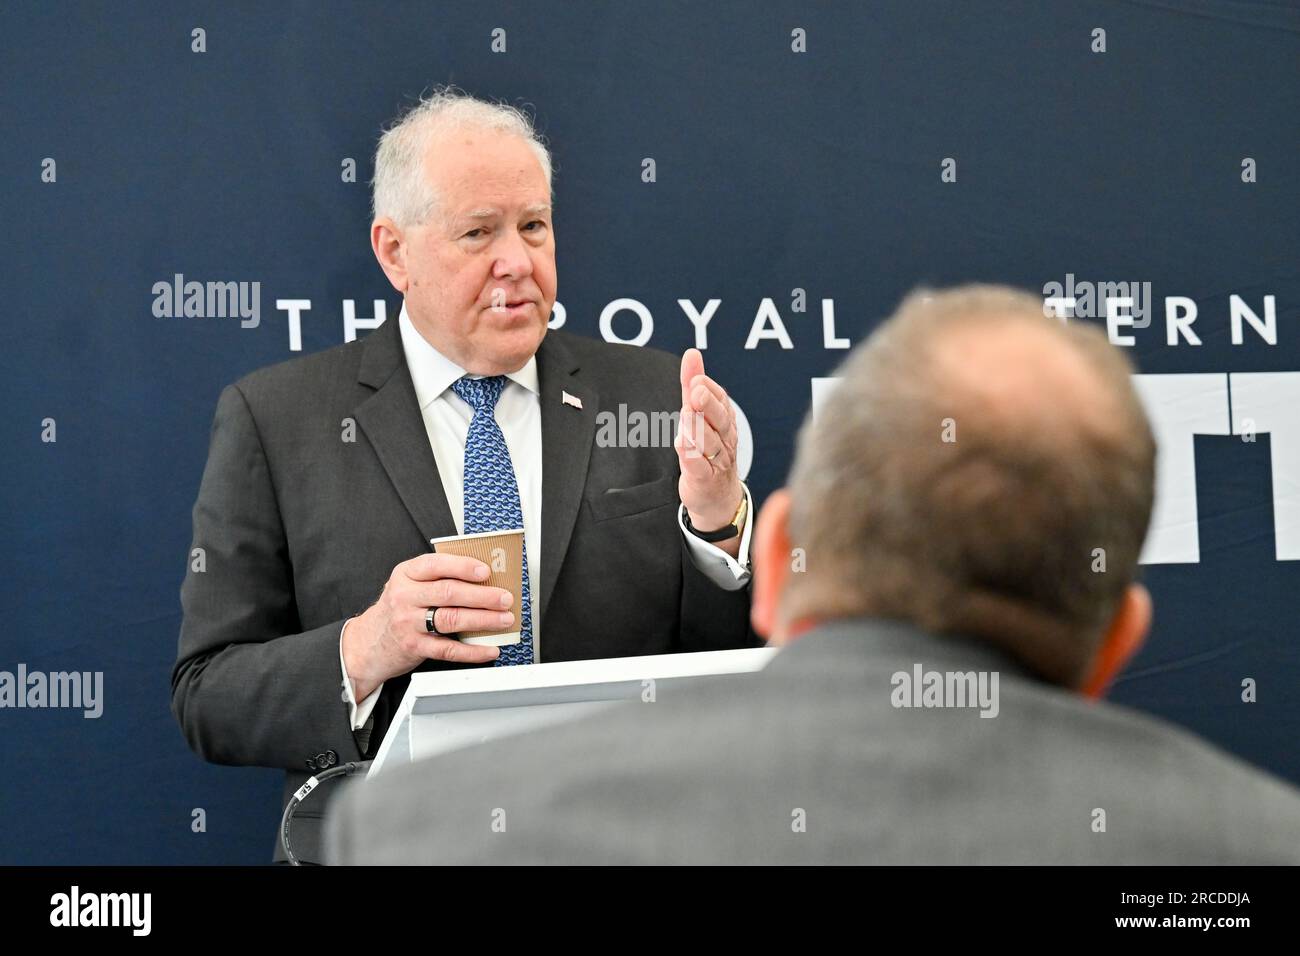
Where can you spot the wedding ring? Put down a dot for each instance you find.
(429, 625)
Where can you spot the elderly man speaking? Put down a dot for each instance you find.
(328, 476)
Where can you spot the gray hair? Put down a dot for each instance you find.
(993, 534)
(400, 189)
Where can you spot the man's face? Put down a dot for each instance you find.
(480, 273)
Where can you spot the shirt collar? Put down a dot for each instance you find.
(432, 373)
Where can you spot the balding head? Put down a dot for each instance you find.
(973, 469)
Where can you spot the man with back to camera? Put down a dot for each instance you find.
(328, 476)
(946, 508)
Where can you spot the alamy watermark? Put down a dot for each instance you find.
(75, 908)
(636, 428)
(946, 689)
(1094, 300)
(82, 690)
(208, 300)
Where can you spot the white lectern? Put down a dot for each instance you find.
(447, 710)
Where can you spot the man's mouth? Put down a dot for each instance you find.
(510, 305)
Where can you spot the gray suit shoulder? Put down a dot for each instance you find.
(304, 377)
(1246, 814)
(714, 771)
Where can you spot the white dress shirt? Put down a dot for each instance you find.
(518, 413)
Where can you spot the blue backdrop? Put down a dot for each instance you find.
(775, 170)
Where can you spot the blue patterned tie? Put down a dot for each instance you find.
(491, 492)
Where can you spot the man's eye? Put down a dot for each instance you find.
(535, 222)
(475, 233)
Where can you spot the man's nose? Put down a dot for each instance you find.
(512, 259)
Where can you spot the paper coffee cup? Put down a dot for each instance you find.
(503, 553)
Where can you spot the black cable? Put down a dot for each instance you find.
(301, 794)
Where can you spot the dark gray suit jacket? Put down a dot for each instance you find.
(301, 528)
(724, 772)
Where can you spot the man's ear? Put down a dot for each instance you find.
(1127, 630)
(771, 560)
(389, 245)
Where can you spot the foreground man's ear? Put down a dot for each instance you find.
(1124, 636)
(771, 565)
(388, 244)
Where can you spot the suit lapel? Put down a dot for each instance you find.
(567, 436)
(392, 421)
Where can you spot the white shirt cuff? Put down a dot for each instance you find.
(728, 573)
(358, 713)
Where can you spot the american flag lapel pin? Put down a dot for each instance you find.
(567, 399)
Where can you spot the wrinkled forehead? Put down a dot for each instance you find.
(473, 169)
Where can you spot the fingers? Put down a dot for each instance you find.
(432, 567)
(449, 592)
(708, 419)
(445, 581)
(700, 449)
(716, 410)
(706, 396)
(689, 457)
(446, 649)
(702, 394)
(415, 641)
(704, 381)
(701, 438)
(461, 606)
(469, 653)
(692, 368)
(406, 608)
(453, 620)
